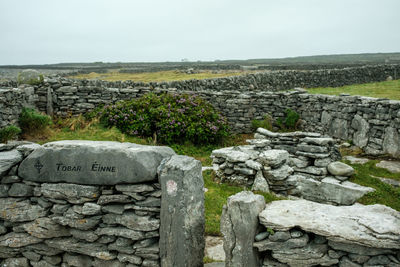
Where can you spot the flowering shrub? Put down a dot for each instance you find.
(173, 118)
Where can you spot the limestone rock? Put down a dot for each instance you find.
(355, 160)
(17, 240)
(311, 254)
(182, 212)
(93, 162)
(330, 190)
(274, 157)
(45, 228)
(360, 137)
(8, 159)
(372, 226)
(340, 169)
(19, 211)
(260, 184)
(133, 221)
(358, 249)
(239, 224)
(20, 190)
(278, 174)
(16, 262)
(73, 193)
(73, 245)
(391, 166)
(77, 260)
(321, 141)
(391, 142)
(267, 244)
(120, 231)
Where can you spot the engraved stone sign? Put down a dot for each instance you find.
(90, 162)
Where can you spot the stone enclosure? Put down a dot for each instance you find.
(304, 233)
(298, 164)
(86, 203)
(372, 124)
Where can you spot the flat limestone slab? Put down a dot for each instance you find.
(93, 162)
(372, 226)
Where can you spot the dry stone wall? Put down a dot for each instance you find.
(297, 164)
(12, 100)
(86, 203)
(372, 124)
(305, 233)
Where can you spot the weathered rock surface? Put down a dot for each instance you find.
(274, 157)
(19, 211)
(8, 159)
(391, 166)
(239, 225)
(182, 212)
(74, 245)
(93, 162)
(329, 190)
(45, 228)
(373, 226)
(356, 160)
(16, 240)
(73, 193)
(340, 169)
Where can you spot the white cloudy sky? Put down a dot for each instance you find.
(53, 31)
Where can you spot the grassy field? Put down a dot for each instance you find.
(160, 76)
(387, 89)
(217, 194)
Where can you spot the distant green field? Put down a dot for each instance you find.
(387, 89)
(160, 76)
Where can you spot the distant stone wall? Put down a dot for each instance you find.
(267, 81)
(12, 100)
(85, 203)
(372, 124)
(304, 233)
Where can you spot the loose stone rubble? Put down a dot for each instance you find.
(305, 233)
(112, 218)
(299, 164)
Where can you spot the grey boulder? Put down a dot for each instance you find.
(8, 159)
(372, 226)
(93, 162)
(338, 168)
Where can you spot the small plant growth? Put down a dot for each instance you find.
(286, 124)
(266, 123)
(32, 121)
(169, 118)
(9, 133)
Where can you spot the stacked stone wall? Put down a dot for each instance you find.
(112, 217)
(12, 100)
(372, 124)
(303, 233)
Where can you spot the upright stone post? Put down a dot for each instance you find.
(182, 212)
(239, 224)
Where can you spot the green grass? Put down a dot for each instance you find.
(216, 197)
(387, 89)
(385, 194)
(160, 76)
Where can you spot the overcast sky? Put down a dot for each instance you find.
(54, 31)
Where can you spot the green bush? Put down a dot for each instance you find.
(289, 122)
(291, 119)
(265, 123)
(171, 118)
(9, 133)
(31, 121)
